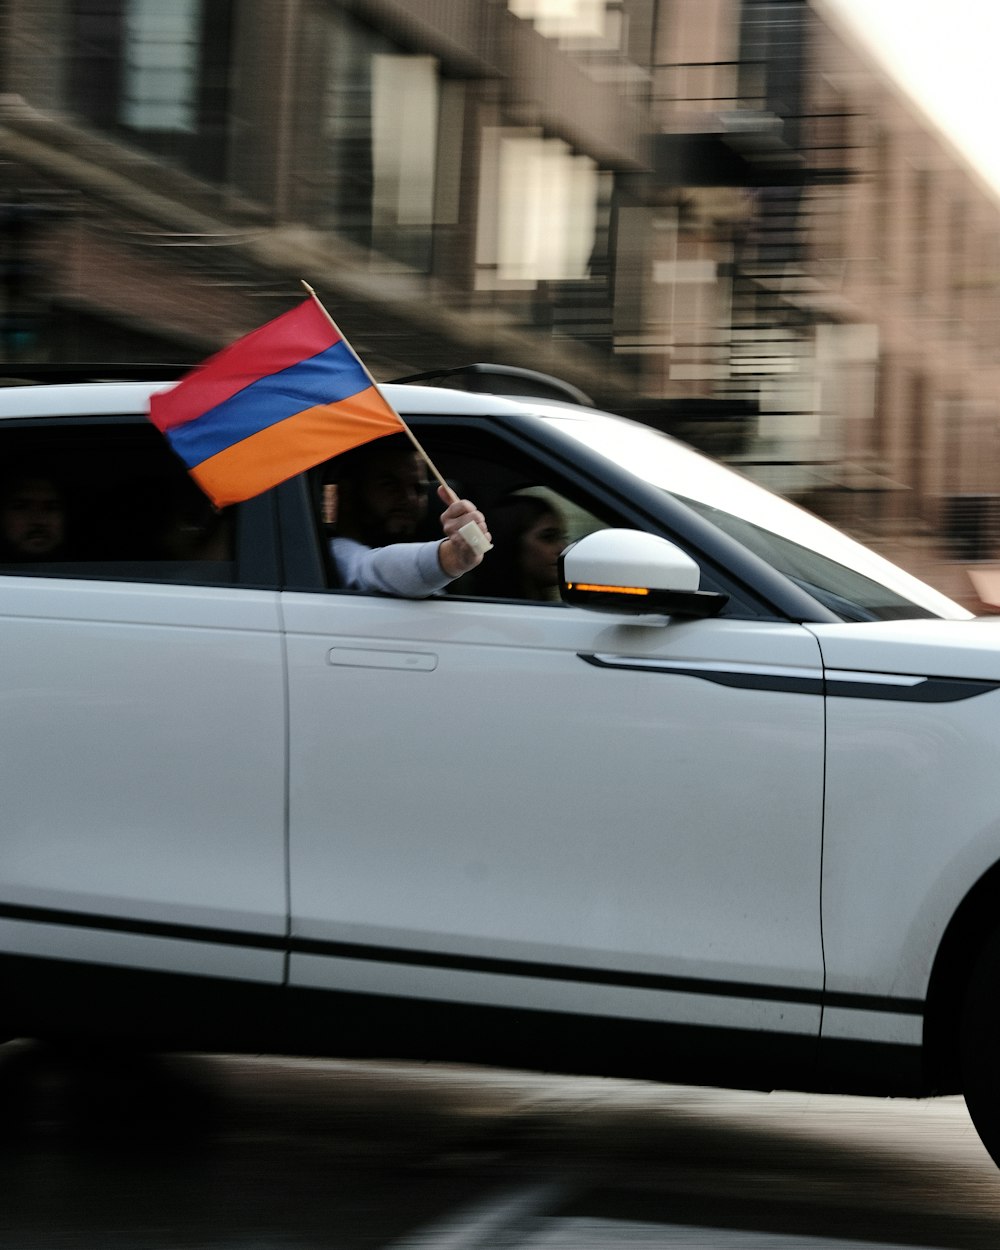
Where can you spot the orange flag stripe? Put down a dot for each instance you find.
(281, 451)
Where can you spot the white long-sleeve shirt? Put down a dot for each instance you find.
(410, 570)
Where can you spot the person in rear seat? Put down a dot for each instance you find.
(33, 522)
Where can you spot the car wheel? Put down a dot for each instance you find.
(19, 1064)
(980, 1047)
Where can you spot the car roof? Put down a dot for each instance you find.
(130, 398)
(76, 399)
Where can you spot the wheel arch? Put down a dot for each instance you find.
(977, 917)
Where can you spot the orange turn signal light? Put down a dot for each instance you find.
(614, 590)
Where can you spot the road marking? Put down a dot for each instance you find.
(582, 1234)
(517, 1220)
(501, 1221)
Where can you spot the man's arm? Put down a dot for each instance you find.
(411, 570)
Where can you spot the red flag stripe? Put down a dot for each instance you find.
(303, 332)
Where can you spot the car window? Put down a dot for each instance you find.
(530, 526)
(839, 587)
(841, 573)
(532, 515)
(106, 500)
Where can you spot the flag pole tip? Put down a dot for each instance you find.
(307, 286)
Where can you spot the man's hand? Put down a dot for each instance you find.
(455, 554)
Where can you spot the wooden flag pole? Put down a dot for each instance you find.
(409, 433)
(470, 531)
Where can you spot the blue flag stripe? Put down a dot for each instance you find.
(332, 375)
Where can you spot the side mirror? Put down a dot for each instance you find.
(635, 572)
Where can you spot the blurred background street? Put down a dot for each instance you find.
(719, 216)
(266, 1154)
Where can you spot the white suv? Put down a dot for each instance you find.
(744, 829)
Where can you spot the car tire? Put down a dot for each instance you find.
(980, 1046)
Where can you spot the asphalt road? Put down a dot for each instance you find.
(264, 1154)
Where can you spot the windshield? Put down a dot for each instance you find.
(843, 574)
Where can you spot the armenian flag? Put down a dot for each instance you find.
(274, 403)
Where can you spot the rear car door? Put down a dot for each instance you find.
(142, 742)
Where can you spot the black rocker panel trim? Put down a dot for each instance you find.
(142, 928)
(466, 963)
(605, 976)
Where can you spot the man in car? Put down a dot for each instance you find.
(32, 516)
(381, 502)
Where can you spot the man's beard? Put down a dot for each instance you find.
(400, 528)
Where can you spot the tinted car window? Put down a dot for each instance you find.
(842, 574)
(106, 500)
(845, 590)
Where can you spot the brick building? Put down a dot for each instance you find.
(441, 171)
(714, 213)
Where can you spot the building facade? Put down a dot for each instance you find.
(831, 285)
(715, 214)
(442, 172)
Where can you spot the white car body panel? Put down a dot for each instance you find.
(344, 824)
(155, 715)
(854, 1024)
(913, 806)
(482, 823)
(967, 649)
(76, 399)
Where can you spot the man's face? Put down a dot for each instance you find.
(32, 519)
(392, 497)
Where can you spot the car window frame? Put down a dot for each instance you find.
(756, 591)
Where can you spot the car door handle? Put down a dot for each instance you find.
(367, 657)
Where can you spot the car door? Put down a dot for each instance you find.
(142, 768)
(536, 806)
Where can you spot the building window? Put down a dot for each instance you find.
(381, 121)
(537, 211)
(594, 23)
(404, 147)
(161, 53)
(155, 73)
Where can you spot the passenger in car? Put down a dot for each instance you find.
(32, 516)
(381, 502)
(528, 535)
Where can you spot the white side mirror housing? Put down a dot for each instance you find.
(632, 571)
